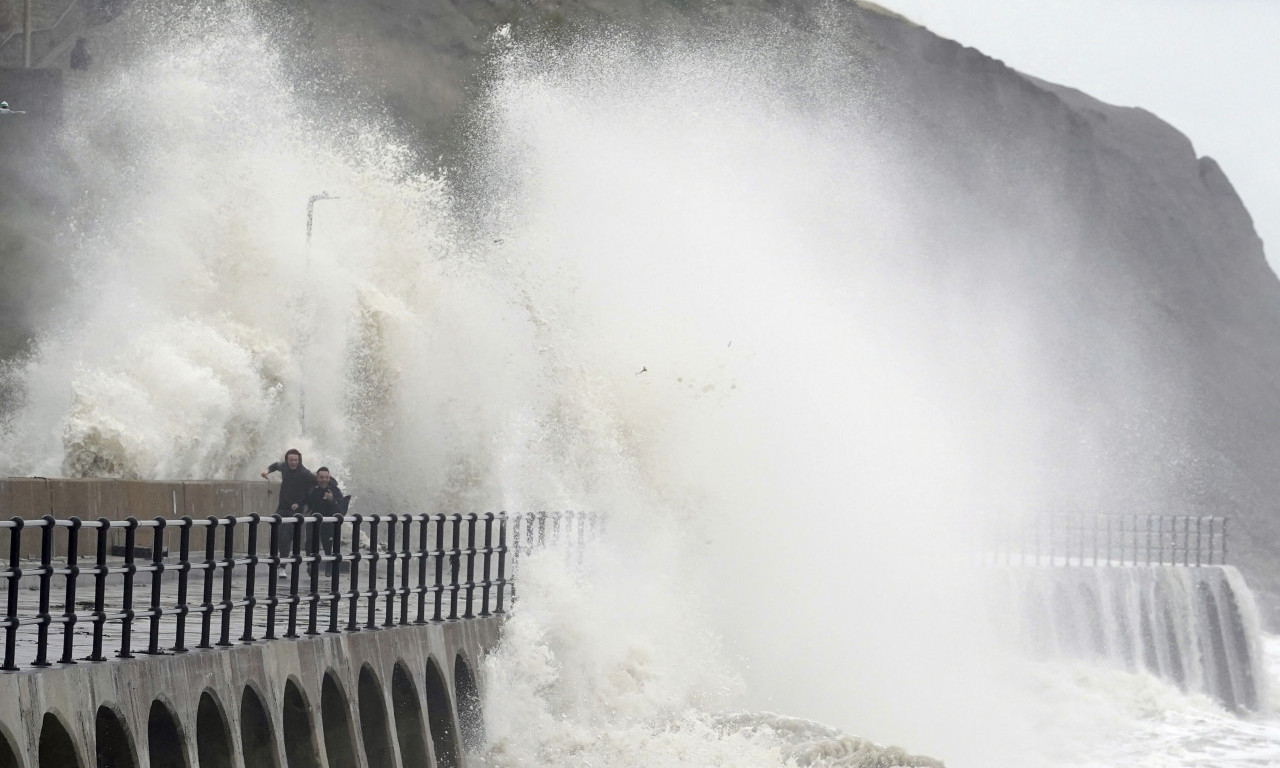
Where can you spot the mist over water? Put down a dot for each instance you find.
(690, 280)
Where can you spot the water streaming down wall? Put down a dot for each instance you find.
(1195, 626)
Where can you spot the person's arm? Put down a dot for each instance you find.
(275, 465)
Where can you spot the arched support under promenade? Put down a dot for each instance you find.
(166, 746)
(159, 699)
(335, 714)
(470, 718)
(112, 741)
(299, 734)
(374, 728)
(408, 714)
(8, 757)
(57, 748)
(257, 737)
(213, 737)
(444, 739)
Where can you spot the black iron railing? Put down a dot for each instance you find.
(1115, 540)
(75, 587)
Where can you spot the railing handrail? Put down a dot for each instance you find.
(417, 568)
(1109, 539)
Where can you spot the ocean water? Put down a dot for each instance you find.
(688, 278)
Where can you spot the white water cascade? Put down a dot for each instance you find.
(1195, 626)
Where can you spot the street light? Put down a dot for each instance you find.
(305, 320)
(311, 210)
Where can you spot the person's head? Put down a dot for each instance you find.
(322, 477)
(293, 458)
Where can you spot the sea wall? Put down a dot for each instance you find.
(91, 499)
(1196, 626)
(402, 697)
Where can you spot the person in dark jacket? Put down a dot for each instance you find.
(324, 495)
(295, 481)
(325, 498)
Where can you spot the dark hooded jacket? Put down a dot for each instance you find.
(294, 484)
(317, 503)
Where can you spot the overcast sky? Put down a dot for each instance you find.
(1209, 67)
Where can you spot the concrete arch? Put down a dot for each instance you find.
(299, 735)
(335, 718)
(374, 729)
(444, 738)
(8, 756)
(57, 748)
(112, 740)
(213, 737)
(166, 746)
(257, 739)
(470, 717)
(408, 711)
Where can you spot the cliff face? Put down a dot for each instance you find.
(1158, 262)
(1132, 260)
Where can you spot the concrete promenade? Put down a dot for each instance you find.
(362, 654)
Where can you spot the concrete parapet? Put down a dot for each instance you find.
(371, 699)
(28, 498)
(92, 498)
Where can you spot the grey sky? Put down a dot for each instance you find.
(1211, 68)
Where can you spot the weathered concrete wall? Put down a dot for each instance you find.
(90, 499)
(379, 713)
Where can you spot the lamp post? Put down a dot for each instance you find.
(26, 34)
(305, 319)
(311, 210)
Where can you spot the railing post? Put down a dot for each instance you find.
(424, 525)
(184, 570)
(313, 573)
(439, 554)
(1199, 551)
(157, 577)
(69, 617)
(488, 558)
(353, 602)
(406, 559)
(389, 621)
(130, 568)
(502, 560)
(1224, 540)
(273, 573)
(99, 588)
(228, 566)
(250, 577)
(295, 565)
(13, 575)
(371, 620)
(335, 574)
(471, 565)
(43, 619)
(455, 553)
